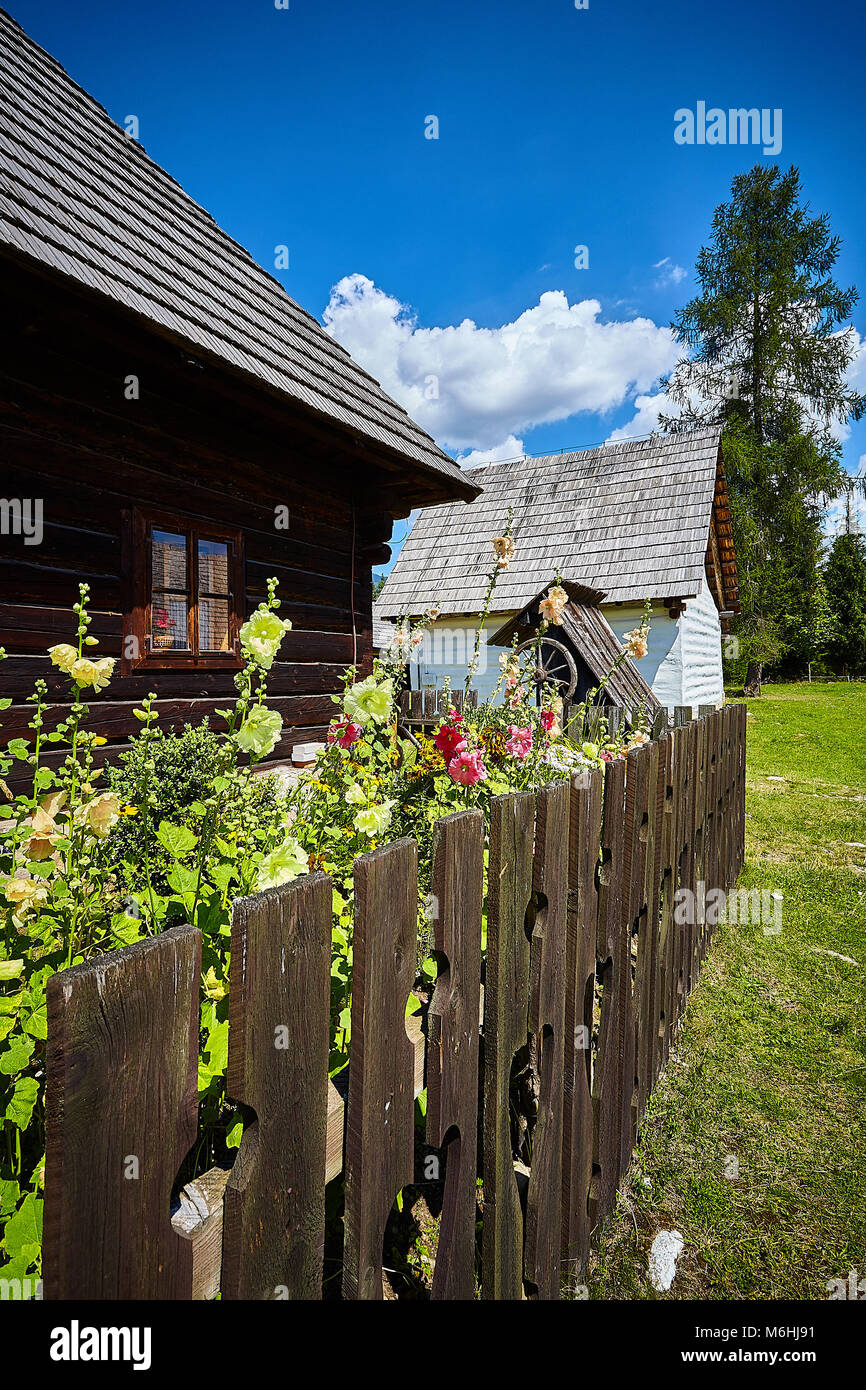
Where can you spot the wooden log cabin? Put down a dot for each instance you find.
(183, 430)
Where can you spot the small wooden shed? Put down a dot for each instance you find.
(581, 652)
(181, 429)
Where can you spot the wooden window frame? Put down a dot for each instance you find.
(139, 524)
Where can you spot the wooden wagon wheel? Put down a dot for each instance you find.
(554, 665)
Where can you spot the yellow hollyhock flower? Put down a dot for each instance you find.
(96, 673)
(63, 656)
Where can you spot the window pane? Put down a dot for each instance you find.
(169, 631)
(213, 567)
(213, 625)
(168, 560)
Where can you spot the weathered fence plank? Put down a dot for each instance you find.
(583, 864)
(547, 986)
(647, 965)
(121, 1114)
(453, 1044)
(613, 950)
(506, 1004)
(636, 846)
(380, 1109)
(279, 1019)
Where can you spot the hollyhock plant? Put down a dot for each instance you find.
(519, 744)
(467, 768)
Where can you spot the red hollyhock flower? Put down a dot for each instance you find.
(450, 739)
(344, 733)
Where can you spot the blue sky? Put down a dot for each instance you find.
(454, 257)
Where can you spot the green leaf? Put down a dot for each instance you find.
(217, 1048)
(9, 1194)
(16, 1056)
(23, 1233)
(235, 1134)
(22, 1101)
(36, 1023)
(182, 879)
(125, 929)
(176, 839)
(18, 747)
(222, 875)
(11, 969)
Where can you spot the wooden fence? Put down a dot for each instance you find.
(575, 1005)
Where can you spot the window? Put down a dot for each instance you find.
(186, 605)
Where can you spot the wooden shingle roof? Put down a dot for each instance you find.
(631, 519)
(79, 197)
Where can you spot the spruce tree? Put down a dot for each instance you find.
(766, 358)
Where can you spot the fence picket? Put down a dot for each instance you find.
(453, 1043)
(583, 843)
(121, 1115)
(647, 966)
(547, 963)
(506, 1004)
(380, 1107)
(279, 1015)
(613, 950)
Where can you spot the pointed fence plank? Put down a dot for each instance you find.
(279, 1007)
(547, 964)
(634, 869)
(668, 883)
(121, 1116)
(453, 1047)
(614, 968)
(647, 964)
(380, 1109)
(506, 1005)
(583, 863)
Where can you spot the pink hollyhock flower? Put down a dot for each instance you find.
(467, 767)
(519, 745)
(344, 732)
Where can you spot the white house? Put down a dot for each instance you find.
(635, 520)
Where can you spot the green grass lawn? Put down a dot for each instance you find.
(768, 1078)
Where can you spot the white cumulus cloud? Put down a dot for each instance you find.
(479, 389)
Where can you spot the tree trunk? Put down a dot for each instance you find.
(752, 683)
